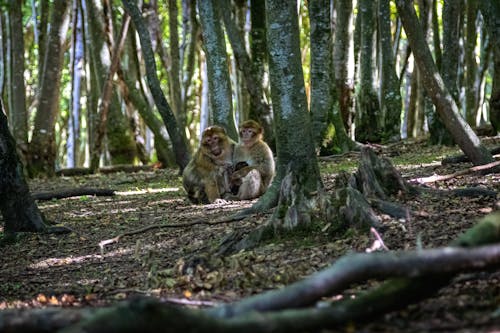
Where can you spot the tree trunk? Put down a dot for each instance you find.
(219, 85)
(104, 107)
(161, 139)
(42, 150)
(17, 207)
(368, 110)
(449, 69)
(175, 68)
(261, 109)
(77, 71)
(343, 61)
(18, 115)
(471, 73)
(178, 142)
(445, 105)
(491, 12)
(321, 65)
(390, 95)
(258, 53)
(297, 166)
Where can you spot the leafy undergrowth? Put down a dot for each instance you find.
(175, 264)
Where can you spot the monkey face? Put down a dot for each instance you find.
(250, 132)
(213, 140)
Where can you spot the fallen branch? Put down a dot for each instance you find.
(463, 158)
(483, 169)
(103, 243)
(60, 194)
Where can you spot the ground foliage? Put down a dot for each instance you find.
(72, 270)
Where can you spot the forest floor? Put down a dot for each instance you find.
(71, 270)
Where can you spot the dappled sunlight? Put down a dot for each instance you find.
(148, 190)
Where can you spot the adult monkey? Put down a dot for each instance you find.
(253, 163)
(206, 177)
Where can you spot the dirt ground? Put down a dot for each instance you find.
(72, 270)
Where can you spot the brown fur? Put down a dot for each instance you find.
(206, 177)
(256, 162)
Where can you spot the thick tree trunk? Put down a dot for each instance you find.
(445, 105)
(18, 208)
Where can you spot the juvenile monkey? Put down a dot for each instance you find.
(253, 163)
(205, 178)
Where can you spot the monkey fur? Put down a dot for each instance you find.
(206, 177)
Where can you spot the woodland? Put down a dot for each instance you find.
(382, 118)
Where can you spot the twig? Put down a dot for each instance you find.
(437, 178)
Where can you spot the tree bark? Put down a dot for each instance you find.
(445, 105)
(343, 61)
(219, 85)
(18, 114)
(42, 149)
(261, 109)
(390, 95)
(491, 12)
(471, 72)
(368, 119)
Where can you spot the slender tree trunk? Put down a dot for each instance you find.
(258, 53)
(3, 58)
(368, 110)
(491, 12)
(107, 92)
(219, 85)
(77, 63)
(451, 34)
(390, 95)
(42, 150)
(189, 10)
(343, 62)
(445, 105)
(179, 144)
(175, 69)
(321, 64)
(471, 93)
(18, 114)
(261, 109)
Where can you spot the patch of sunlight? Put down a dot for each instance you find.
(148, 190)
(71, 260)
(418, 166)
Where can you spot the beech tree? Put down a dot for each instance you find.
(19, 210)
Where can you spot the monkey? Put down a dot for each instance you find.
(206, 177)
(253, 163)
